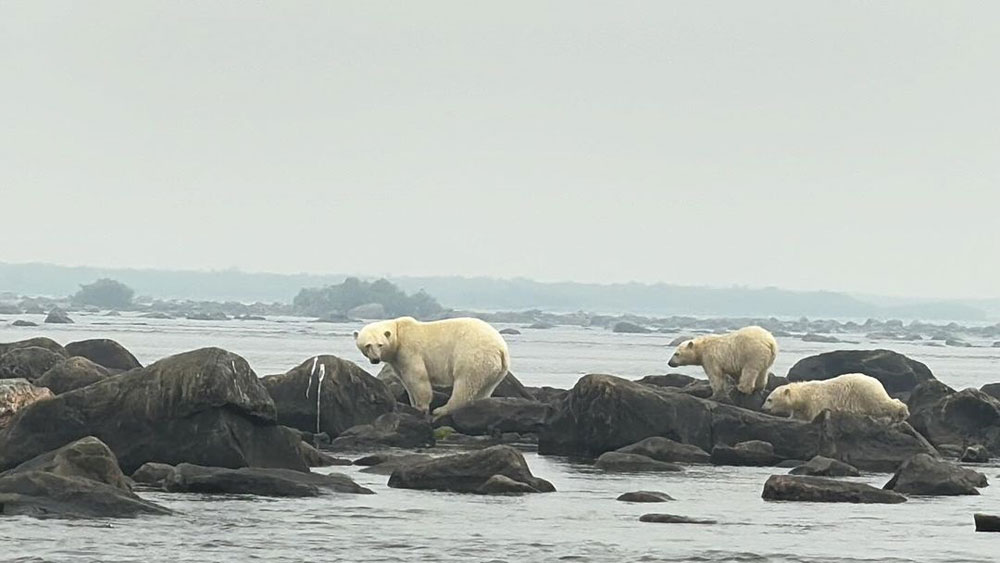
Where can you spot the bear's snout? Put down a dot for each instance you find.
(375, 360)
(672, 363)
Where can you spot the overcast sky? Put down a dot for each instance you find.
(816, 145)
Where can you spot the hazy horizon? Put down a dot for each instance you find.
(848, 147)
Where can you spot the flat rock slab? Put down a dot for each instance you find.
(673, 519)
(258, 481)
(821, 489)
(820, 466)
(617, 461)
(467, 473)
(645, 496)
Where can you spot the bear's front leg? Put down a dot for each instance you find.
(418, 387)
(719, 382)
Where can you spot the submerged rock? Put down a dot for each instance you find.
(270, 482)
(16, 394)
(509, 331)
(503, 485)
(622, 462)
(673, 519)
(386, 463)
(28, 363)
(468, 472)
(820, 466)
(79, 480)
(665, 449)
(897, 373)
(348, 395)
(822, 338)
(70, 374)
(23, 323)
(104, 352)
(644, 496)
(925, 475)
(206, 406)
(755, 453)
(821, 489)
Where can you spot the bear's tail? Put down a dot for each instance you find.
(504, 362)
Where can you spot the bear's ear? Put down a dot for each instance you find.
(388, 334)
(786, 392)
(355, 335)
(690, 344)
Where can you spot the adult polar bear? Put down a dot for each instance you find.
(746, 355)
(465, 353)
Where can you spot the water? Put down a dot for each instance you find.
(581, 522)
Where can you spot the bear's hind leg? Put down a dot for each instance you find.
(761, 382)
(748, 380)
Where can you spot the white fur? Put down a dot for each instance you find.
(745, 355)
(467, 354)
(851, 392)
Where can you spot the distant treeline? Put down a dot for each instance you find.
(344, 298)
(496, 294)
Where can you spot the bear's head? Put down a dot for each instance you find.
(377, 341)
(685, 355)
(779, 402)
(900, 411)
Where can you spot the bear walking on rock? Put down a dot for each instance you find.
(465, 353)
(745, 355)
(851, 392)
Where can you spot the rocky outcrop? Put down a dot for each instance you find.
(269, 482)
(72, 373)
(965, 418)
(821, 489)
(206, 407)
(867, 443)
(39, 342)
(468, 472)
(898, 374)
(495, 415)
(328, 394)
(925, 475)
(58, 316)
(28, 363)
(16, 394)
(389, 430)
(79, 480)
(104, 352)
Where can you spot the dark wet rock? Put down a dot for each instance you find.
(205, 406)
(898, 374)
(79, 480)
(867, 443)
(665, 449)
(58, 316)
(791, 439)
(953, 451)
(16, 394)
(676, 380)
(269, 482)
(503, 485)
(468, 472)
(510, 386)
(925, 475)
(975, 454)
(104, 352)
(153, 474)
(72, 373)
(820, 466)
(673, 519)
(965, 418)
(627, 327)
(509, 331)
(349, 396)
(822, 338)
(38, 342)
(755, 453)
(645, 496)
(987, 522)
(390, 429)
(991, 389)
(495, 415)
(315, 458)
(927, 394)
(790, 463)
(547, 394)
(386, 463)
(23, 323)
(821, 489)
(603, 413)
(29, 363)
(621, 462)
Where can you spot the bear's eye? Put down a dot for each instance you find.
(388, 334)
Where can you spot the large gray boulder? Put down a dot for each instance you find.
(37, 342)
(348, 396)
(206, 407)
(28, 363)
(468, 472)
(104, 352)
(72, 373)
(964, 418)
(821, 489)
(924, 475)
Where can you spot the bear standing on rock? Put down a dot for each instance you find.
(467, 354)
(745, 355)
(851, 392)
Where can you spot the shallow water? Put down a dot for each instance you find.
(581, 522)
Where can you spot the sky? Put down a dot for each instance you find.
(851, 146)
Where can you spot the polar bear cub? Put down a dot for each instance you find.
(851, 392)
(465, 353)
(745, 355)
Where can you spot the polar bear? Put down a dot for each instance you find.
(465, 353)
(745, 355)
(851, 392)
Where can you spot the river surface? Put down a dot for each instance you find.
(580, 522)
